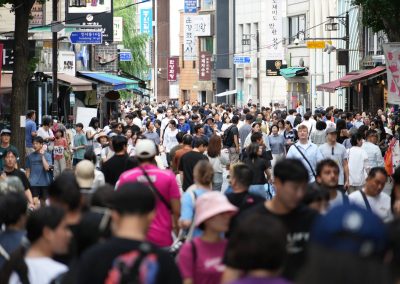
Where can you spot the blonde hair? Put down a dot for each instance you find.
(203, 173)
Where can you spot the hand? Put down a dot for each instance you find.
(41, 151)
(346, 185)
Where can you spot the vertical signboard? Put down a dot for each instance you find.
(189, 39)
(274, 30)
(205, 66)
(392, 54)
(118, 29)
(37, 15)
(172, 68)
(93, 12)
(146, 19)
(190, 6)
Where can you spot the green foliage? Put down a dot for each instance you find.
(381, 15)
(133, 41)
(32, 64)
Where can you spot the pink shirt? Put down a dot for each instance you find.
(207, 266)
(165, 182)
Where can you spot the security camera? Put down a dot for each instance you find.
(296, 41)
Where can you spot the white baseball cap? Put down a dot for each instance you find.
(146, 148)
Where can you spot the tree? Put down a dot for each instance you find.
(21, 69)
(381, 15)
(136, 43)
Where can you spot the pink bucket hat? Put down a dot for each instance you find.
(211, 204)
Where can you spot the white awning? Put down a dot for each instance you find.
(227, 93)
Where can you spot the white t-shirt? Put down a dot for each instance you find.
(380, 204)
(41, 270)
(358, 166)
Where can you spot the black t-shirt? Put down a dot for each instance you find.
(186, 165)
(21, 176)
(298, 224)
(115, 166)
(98, 263)
(230, 133)
(243, 201)
(259, 167)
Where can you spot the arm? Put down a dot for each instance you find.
(46, 164)
(28, 195)
(181, 176)
(230, 275)
(346, 173)
(236, 140)
(176, 213)
(379, 158)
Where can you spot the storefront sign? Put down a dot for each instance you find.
(205, 66)
(66, 62)
(190, 6)
(274, 30)
(189, 39)
(93, 12)
(146, 19)
(202, 25)
(274, 67)
(8, 53)
(37, 15)
(392, 54)
(173, 63)
(118, 29)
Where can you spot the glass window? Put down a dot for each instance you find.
(297, 24)
(207, 5)
(207, 44)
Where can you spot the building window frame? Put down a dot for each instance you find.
(297, 26)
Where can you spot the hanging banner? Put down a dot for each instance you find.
(118, 29)
(205, 66)
(189, 39)
(173, 68)
(146, 20)
(201, 25)
(37, 15)
(392, 54)
(93, 12)
(274, 33)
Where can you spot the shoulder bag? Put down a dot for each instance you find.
(308, 162)
(367, 205)
(155, 191)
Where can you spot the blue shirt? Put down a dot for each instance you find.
(277, 144)
(38, 175)
(30, 126)
(79, 140)
(187, 208)
(311, 152)
(10, 240)
(185, 128)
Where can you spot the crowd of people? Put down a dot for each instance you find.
(203, 194)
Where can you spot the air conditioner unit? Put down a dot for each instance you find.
(379, 59)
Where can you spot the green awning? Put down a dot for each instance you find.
(117, 82)
(47, 29)
(293, 72)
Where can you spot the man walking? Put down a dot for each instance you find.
(30, 131)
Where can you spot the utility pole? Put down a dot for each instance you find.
(54, 109)
(347, 23)
(258, 67)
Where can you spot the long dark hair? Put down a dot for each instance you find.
(93, 122)
(252, 151)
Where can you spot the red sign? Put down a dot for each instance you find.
(205, 66)
(173, 68)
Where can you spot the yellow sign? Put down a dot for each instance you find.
(318, 44)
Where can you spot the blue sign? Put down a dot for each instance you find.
(146, 20)
(89, 37)
(190, 6)
(125, 56)
(238, 59)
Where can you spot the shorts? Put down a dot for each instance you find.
(40, 191)
(75, 161)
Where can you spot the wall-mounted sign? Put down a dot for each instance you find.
(274, 33)
(93, 12)
(189, 39)
(125, 56)
(274, 67)
(8, 53)
(190, 6)
(66, 62)
(205, 66)
(392, 54)
(37, 15)
(173, 63)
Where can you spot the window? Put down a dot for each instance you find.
(207, 44)
(297, 24)
(207, 5)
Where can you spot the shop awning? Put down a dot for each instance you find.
(293, 72)
(227, 93)
(6, 83)
(117, 82)
(363, 76)
(77, 84)
(332, 86)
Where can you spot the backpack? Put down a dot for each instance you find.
(225, 136)
(138, 266)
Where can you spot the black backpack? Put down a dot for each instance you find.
(225, 136)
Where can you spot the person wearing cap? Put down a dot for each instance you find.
(30, 131)
(164, 182)
(84, 173)
(336, 152)
(183, 126)
(347, 245)
(200, 260)
(375, 157)
(209, 127)
(119, 162)
(133, 208)
(290, 181)
(372, 197)
(5, 145)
